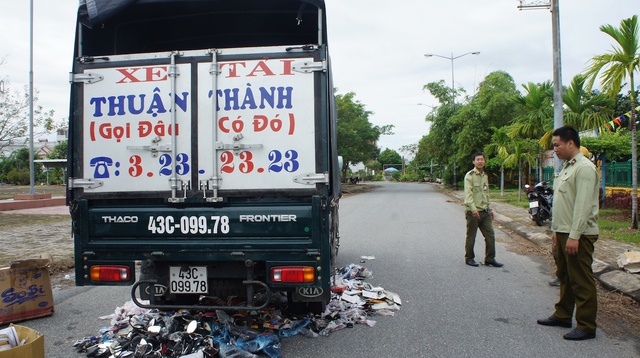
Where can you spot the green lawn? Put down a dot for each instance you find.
(616, 224)
(510, 197)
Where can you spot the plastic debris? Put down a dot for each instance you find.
(136, 332)
(364, 259)
(630, 261)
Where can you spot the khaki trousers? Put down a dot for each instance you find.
(577, 285)
(486, 228)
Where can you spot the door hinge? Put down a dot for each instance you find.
(309, 66)
(312, 179)
(236, 146)
(87, 78)
(81, 183)
(154, 149)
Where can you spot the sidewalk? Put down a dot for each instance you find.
(605, 267)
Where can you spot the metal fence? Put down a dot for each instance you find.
(617, 174)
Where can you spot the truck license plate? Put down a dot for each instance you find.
(188, 279)
(533, 204)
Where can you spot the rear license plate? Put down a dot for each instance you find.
(188, 279)
(533, 204)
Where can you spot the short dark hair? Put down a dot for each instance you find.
(474, 155)
(567, 133)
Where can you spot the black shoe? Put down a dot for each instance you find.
(552, 321)
(472, 262)
(493, 263)
(578, 335)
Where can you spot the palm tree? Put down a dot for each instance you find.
(586, 110)
(536, 119)
(499, 145)
(615, 67)
(521, 155)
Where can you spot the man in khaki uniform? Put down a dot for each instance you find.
(478, 213)
(575, 230)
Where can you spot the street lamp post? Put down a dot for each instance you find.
(32, 181)
(452, 58)
(453, 94)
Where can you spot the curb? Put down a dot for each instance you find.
(8, 205)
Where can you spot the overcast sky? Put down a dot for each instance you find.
(377, 48)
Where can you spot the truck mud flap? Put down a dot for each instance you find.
(248, 306)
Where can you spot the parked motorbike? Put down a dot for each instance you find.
(540, 201)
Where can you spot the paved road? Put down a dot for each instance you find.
(449, 309)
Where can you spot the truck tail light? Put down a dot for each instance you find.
(293, 274)
(110, 273)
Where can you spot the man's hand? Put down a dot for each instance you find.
(491, 213)
(476, 214)
(572, 246)
(554, 240)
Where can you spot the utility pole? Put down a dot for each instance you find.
(557, 63)
(32, 181)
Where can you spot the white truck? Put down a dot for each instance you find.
(202, 146)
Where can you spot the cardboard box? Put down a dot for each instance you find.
(33, 346)
(25, 291)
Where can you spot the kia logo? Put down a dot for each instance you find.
(310, 291)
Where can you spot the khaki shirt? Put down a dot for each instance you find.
(575, 198)
(476, 190)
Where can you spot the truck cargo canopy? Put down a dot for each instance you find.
(95, 12)
(116, 27)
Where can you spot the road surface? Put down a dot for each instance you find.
(416, 235)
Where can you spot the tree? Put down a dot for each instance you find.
(57, 175)
(14, 169)
(615, 66)
(357, 137)
(59, 151)
(389, 157)
(438, 145)
(615, 145)
(499, 146)
(14, 116)
(521, 155)
(410, 149)
(535, 117)
(457, 133)
(492, 106)
(586, 110)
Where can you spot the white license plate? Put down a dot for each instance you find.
(533, 204)
(188, 279)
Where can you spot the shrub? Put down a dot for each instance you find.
(412, 177)
(618, 201)
(19, 177)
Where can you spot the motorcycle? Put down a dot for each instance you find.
(540, 201)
